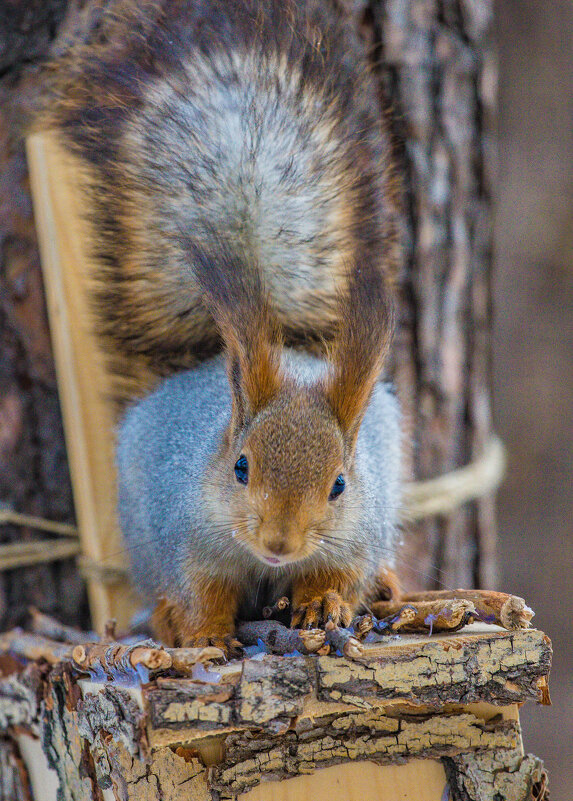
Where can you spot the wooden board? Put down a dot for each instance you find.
(417, 780)
(82, 380)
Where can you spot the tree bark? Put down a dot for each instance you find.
(437, 72)
(14, 783)
(33, 468)
(452, 697)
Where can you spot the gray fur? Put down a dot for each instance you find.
(166, 445)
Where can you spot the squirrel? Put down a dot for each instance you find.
(243, 199)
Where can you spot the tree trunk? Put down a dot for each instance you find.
(437, 73)
(33, 468)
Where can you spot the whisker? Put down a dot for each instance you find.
(327, 541)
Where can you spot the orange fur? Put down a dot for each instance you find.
(387, 586)
(210, 621)
(234, 293)
(254, 352)
(326, 595)
(360, 348)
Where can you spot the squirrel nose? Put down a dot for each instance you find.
(279, 540)
(277, 546)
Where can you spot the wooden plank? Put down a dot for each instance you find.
(82, 380)
(506, 667)
(481, 667)
(417, 780)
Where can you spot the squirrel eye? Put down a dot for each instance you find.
(242, 469)
(337, 487)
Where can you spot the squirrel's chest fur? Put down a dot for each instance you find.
(246, 121)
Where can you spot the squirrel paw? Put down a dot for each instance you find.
(228, 643)
(320, 610)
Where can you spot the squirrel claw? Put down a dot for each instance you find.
(321, 610)
(228, 643)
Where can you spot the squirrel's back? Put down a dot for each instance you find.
(251, 123)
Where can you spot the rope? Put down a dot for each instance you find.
(23, 554)
(440, 496)
(420, 499)
(92, 570)
(40, 523)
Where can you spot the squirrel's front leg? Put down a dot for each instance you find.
(208, 619)
(323, 596)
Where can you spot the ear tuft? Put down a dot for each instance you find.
(234, 293)
(360, 348)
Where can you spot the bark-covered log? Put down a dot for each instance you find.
(451, 697)
(14, 782)
(480, 777)
(278, 639)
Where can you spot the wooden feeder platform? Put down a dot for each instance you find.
(415, 718)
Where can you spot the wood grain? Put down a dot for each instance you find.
(87, 410)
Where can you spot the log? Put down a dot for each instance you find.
(492, 775)
(443, 708)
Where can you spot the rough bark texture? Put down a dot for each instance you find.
(14, 784)
(436, 71)
(33, 468)
(273, 718)
(497, 777)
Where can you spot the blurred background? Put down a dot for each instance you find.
(533, 346)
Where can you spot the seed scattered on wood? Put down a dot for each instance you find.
(278, 606)
(446, 610)
(343, 641)
(362, 625)
(113, 658)
(278, 639)
(428, 612)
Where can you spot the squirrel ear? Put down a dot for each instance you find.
(253, 362)
(234, 293)
(240, 405)
(359, 350)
